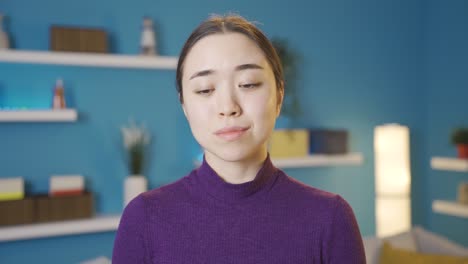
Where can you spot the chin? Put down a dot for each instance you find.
(233, 154)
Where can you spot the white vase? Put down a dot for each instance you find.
(134, 185)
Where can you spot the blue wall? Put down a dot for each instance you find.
(361, 67)
(446, 87)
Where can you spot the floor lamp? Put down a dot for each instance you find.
(392, 179)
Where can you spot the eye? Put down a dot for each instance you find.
(205, 92)
(250, 85)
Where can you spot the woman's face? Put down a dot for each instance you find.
(230, 97)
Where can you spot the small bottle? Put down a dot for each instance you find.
(148, 38)
(4, 40)
(58, 101)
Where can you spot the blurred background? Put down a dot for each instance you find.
(362, 64)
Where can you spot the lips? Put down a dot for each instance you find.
(231, 133)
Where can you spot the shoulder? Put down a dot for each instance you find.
(169, 193)
(158, 202)
(307, 193)
(312, 201)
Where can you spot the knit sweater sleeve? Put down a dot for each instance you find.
(130, 245)
(343, 241)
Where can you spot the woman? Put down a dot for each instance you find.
(236, 207)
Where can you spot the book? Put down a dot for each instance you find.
(11, 188)
(66, 185)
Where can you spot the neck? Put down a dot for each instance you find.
(238, 171)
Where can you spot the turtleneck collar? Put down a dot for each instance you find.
(217, 187)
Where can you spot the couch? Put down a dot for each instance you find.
(417, 240)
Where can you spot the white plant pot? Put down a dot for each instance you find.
(134, 185)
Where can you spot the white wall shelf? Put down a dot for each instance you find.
(316, 161)
(89, 59)
(320, 160)
(52, 229)
(65, 115)
(450, 164)
(450, 208)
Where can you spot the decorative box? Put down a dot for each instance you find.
(325, 141)
(55, 208)
(289, 143)
(16, 212)
(64, 38)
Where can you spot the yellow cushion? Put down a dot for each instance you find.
(391, 255)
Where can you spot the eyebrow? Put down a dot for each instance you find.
(238, 68)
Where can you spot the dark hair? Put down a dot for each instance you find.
(227, 24)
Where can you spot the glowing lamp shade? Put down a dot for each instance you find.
(392, 179)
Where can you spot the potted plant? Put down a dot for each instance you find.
(135, 140)
(460, 139)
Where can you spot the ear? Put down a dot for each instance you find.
(183, 109)
(280, 98)
(182, 105)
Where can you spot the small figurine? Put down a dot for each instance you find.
(4, 41)
(148, 38)
(58, 101)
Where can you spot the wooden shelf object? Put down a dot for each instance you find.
(450, 164)
(88, 59)
(450, 208)
(52, 229)
(65, 115)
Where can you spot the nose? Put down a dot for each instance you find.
(228, 105)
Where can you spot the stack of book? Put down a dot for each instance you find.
(63, 185)
(11, 189)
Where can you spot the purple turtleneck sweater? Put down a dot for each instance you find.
(272, 219)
